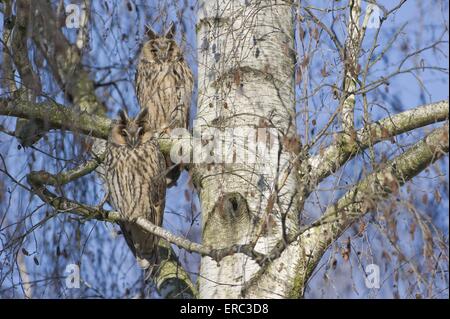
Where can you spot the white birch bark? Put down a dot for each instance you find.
(246, 79)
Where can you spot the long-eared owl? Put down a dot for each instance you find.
(164, 85)
(164, 81)
(135, 176)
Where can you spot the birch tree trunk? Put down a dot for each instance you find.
(246, 80)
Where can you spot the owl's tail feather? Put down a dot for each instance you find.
(144, 247)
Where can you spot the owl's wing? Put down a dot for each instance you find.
(140, 81)
(158, 193)
(143, 245)
(124, 228)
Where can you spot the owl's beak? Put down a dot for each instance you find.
(132, 141)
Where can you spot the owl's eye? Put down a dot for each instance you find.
(123, 133)
(141, 131)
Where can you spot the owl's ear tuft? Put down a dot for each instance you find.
(171, 32)
(142, 116)
(123, 117)
(151, 34)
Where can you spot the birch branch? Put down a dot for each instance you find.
(38, 179)
(89, 212)
(360, 200)
(346, 147)
(351, 53)
(55, 116)
(58, 116)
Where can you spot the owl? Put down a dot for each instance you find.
(164, 82)
(135, 178)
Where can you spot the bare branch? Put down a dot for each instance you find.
(346, 147)
(351, 52)
(45, 178)
(62, 204)
(356, 202)
(56, 116)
